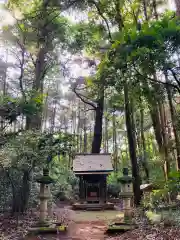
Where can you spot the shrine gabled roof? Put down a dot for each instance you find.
(92, 163)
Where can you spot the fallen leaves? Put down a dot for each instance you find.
(13, 227)
(150, 233)
(81, 231)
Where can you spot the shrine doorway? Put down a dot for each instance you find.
(93, 192)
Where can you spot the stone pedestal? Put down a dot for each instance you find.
(44, 196)
(124, 224)
(43, 225)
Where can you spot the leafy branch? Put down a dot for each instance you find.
(84, 99)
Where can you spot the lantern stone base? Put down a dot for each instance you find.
(53, 229)
(120, 227)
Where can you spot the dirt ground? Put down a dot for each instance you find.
(79, 231)
(92, 226)
(84, 225)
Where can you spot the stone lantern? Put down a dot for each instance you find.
(43, 225)
(44, 196)
(126, 194)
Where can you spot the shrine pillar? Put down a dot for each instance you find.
(81, 188)
(105, 188)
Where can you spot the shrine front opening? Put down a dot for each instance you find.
(93, 188)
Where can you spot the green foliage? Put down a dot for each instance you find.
(27, 153)
(114, 186)
(161, 196)
(149, 48)
(173, 182)
(86, 36)
(65, 186)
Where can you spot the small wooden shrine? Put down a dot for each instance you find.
(92, 171)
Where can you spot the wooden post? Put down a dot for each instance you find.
(105, 188)
(101, 191)
(83, 190)
(80, 188)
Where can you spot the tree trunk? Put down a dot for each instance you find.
(164, 149)
(25, 191)
(115, 143)
(132, 146)
(144, 2)
(173, 118)
(106, 142)
(85, 130)
(97, 138)
(177, 2)
(143, 144)
(154, 3)
(156, 125)
(21, 195)
(35, 121)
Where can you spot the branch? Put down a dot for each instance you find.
(103, 17)
(11, 181)
(174, 75)
(22, 73)
(70, 5)
(157, 81)
(133, 12)
(86, 101)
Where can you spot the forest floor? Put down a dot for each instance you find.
(83, 226)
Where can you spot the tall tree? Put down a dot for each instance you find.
(177, 3)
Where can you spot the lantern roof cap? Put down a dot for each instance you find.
(125, 178)
(45, 178)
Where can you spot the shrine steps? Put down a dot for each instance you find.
(93, 206)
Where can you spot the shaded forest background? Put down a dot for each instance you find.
(86, 76)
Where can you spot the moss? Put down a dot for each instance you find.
(125, 179)
(126, 194)
(120, 227)
(45, 180)
(61, 228)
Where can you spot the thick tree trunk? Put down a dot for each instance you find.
(154, 3)
(85, 130)
(106, 135)
(132, 146)
(143, 144)
(159, 125)
(115, 143)
(177, 2)
(144, 2)
(156, 125)
(78, 128)
(106, 141)
(173, 118)
(25, 191)
(35, 121)
(97, 138)
(21, 194)
(157, 116)
(164, 150)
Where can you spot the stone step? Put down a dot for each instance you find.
(95, 206)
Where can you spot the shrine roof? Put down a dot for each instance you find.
(89, 163)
